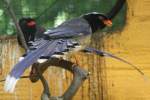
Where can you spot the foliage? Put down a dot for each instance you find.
(50, 13)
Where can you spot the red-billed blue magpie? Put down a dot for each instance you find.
(72, 35)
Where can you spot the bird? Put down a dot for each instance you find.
(71, 36)
(29, 24)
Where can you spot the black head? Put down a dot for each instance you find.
(27, 24)
(28, 27)
(97, 20)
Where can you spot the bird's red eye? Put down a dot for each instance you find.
(31, 23)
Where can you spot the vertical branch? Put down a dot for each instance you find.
(116, 8)
(12, 15)
(1, 46)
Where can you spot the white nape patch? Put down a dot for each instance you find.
(92, 13)
(10, 84)
(21, 58)
(41, 60)
(95, 13)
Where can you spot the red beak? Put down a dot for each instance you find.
(108, 22)
(31, 23)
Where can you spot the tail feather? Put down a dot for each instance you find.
(28, 60)
(103, 53)
(118, 58)
(19, 68)
(10, 84)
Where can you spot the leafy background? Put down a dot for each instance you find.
(50, 13)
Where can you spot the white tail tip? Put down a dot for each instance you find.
(21, 58)
(10, 84)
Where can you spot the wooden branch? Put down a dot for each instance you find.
(79, 75)
(12, 15)
(46, 93)
(116, 8)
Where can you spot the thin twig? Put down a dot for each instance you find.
(22, 77)
(12, 15)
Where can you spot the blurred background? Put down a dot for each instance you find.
(50, 13)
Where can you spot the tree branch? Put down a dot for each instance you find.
(12, 15)
(116, 8)
(79, 75)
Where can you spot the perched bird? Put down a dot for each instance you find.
(72, 35)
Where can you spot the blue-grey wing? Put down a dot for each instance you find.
(41, 48)
(72, 28)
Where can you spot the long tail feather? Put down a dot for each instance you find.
(11, 82)
(31, 58)
(103, 53)
(19, 68)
